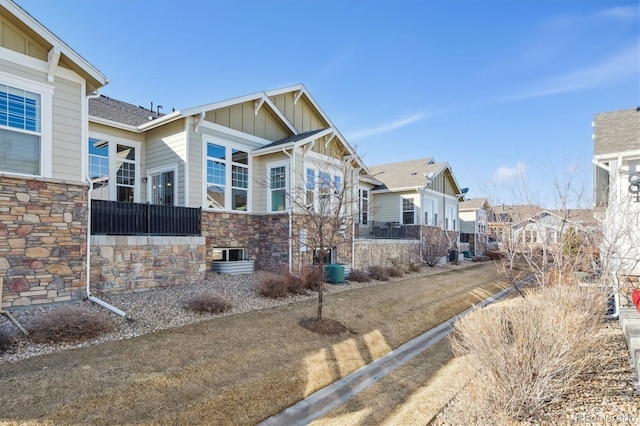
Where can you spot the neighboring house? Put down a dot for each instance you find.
(617, 191)
(531, 225)
(241, 160)
(409, 194)
(474, 231)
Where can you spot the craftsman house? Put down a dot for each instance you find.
(143, 197)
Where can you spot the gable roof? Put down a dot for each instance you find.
(407, 174)
(56, 47)
(473, 204)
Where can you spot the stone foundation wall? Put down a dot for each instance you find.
(234, 230)
(43, 231)
(125, 263)
(379, 252)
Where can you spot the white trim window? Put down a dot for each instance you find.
(278, 187)
(323, 190)
(25, 127)
(449, 219)
(228, 177)
(408, 206)
(430, 212)
(364, 206)
(115, 161)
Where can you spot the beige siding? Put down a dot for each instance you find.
(384, 207)
(119, 133)
(259, 180)
(243, 118)
(167, 145)
(13, 38)
(196, 177)
(67, 130)
(333, 149)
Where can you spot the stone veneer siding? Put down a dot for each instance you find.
(125, 263)
(266, 237)
(383, 252)
(43, 229)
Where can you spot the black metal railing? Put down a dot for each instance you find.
(388, 230)
(120, 218)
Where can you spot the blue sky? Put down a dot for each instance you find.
(504, 91)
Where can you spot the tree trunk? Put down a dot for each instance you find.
(320, 289)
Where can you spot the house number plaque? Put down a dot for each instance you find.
(634, 187)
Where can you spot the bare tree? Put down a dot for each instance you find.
(324, 203)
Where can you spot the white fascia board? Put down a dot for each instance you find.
(633, 154)
(43, 32)
(408, 188)
(350, 149)
(115, 124)
(236, 133)
(221, 104)
(160, 121)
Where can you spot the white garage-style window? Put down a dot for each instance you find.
(25, 127)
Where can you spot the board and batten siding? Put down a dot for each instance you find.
(242, 117)
(300, 114)
(13, 38)
(165, 146)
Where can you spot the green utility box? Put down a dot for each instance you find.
(334, 273)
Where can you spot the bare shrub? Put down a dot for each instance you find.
(207, 303)
(68, 324)
(295, 284)
(526, 354)
(5, 342)
(313, 278)
(273, 286)
(435, 243)
(480, 259)
(358, 275)
(395, 271)
(413, 266)
(377, 272)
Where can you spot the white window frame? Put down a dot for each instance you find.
(402, 211)
(361, 199)
(160, 170)
(320, 163)
(287, 186)
(46, 120)
(228, 162)
(112, 149)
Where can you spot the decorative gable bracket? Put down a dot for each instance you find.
(53, 59)
(257, 105)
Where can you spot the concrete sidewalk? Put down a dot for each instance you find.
(321, 402)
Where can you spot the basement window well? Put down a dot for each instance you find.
(229, 254)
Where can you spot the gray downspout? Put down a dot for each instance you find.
(88, 261)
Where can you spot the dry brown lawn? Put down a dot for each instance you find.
(238, 369)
